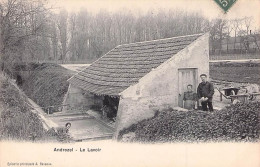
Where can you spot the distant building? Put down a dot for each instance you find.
(139, 78)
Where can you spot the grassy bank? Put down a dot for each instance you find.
(17, 121)
(236, 72)
(47, 85)
(238, 122)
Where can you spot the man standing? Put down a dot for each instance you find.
(205, 93)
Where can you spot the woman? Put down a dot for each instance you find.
(64, 129)
(189, 98)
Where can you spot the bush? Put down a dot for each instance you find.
(239, 122)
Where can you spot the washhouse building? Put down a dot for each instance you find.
(137, 79)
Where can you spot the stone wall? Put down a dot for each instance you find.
(159, 88)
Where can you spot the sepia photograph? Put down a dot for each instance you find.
(130, 83)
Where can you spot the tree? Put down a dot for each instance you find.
(248, 21)
(63, 33)
(21, 21)
(228, 33)
(54, 38)
(39, 35)
(218, 33)
(236, 28)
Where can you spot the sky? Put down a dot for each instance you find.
(209, 8)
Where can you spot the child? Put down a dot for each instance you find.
(64, 129)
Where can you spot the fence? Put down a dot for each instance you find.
(234, 56)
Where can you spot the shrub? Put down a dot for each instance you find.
(239, 122)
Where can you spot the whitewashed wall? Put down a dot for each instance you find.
(159, 88)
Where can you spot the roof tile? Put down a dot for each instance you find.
(124, 65)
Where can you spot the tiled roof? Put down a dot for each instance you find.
(126, 64)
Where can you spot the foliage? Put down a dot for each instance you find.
(32, 32)
(42, 35)
(22, 30)
(243, 40)
(47, 85)
(239, 122)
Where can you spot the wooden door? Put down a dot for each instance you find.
(186, 76)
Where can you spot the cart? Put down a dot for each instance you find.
(232, 94)
(228, 92)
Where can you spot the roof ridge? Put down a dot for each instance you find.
(161, 39)
(97, 79)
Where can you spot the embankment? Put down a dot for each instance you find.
(47, 85)
(241, 72)
(17, 121)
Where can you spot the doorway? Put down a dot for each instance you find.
(186, 76)
(110, 107)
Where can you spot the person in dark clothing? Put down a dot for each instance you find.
(61, 130)
(205, 93)
(189, 98)
(67, 127)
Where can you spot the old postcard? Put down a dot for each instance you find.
(130, 83)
